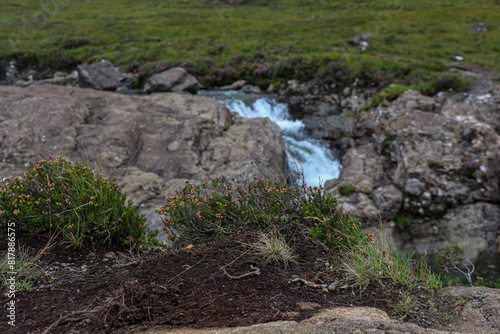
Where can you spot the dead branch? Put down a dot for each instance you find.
(309, 284)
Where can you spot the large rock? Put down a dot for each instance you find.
(435, 162)
(100, 76)
(336, 320)
(481, 312)
(173, 80)
(361, 168)
(150, 143)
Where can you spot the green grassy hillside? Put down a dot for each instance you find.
(207, 34)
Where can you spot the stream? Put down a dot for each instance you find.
(315, 158)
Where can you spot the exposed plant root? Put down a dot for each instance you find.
(254, 272)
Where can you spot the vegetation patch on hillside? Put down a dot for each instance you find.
(264, 42)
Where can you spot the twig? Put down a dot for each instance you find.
(65, 318)
(255, 271)
(185, 270)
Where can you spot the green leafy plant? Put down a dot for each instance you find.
(455, 258)
(74, 199)
(346, 190)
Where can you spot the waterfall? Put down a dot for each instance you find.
(315, 158)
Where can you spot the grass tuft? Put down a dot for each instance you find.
(273, 248)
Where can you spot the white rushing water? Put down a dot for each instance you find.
(316, 159)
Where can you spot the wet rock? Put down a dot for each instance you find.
(250, 89)
(99, 76)
(237, 85)
(330, 128)
(173, 80)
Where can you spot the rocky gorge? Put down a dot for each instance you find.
(426, 166)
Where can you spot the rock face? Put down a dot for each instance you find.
(314, 98)
(174, 80)
(481, 312)
(151, 143)
(100, 76)
(435, 162)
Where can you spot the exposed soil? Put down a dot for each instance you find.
(186, 287)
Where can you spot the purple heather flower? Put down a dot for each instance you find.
(117, 186)
(412, 268)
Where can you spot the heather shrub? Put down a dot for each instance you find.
(74, 199)
(221, 205)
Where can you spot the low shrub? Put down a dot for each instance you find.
(455, 258)
(388, 94)
(223, 205)
(346, 190)
(75, 199)
(442, 82)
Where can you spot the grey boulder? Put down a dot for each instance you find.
(175, 80)
(99, 76)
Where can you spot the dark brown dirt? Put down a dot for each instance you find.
(186, 287)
